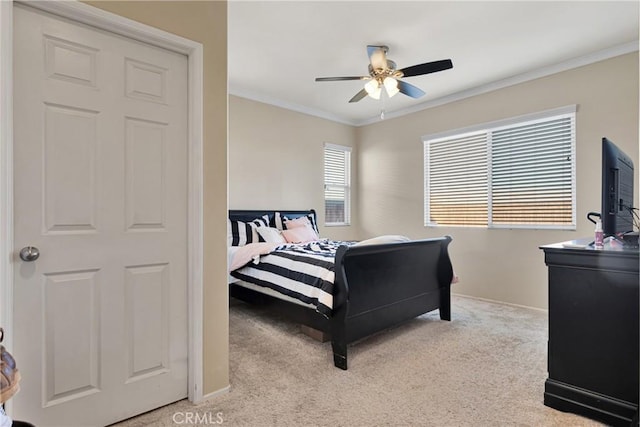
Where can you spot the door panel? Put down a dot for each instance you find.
(69, 193)
(71, 372)
(100, 185)
(145, 172)
(146, 320)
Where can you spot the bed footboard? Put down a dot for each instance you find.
(379, 286)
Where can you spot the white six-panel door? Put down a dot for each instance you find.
(100, 185)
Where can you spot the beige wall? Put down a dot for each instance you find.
(276, 160)
(499, 264)
(206, 23)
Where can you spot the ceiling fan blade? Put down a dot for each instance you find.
(427, 67)
(377, 56)
(358, 96)
(409, 89)
(337, 79)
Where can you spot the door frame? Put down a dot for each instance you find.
(99, 18)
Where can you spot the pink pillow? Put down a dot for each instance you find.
(297, 223)
(300, 235)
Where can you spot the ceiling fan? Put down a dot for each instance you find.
(384, 73)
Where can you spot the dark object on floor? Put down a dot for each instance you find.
(9, 374)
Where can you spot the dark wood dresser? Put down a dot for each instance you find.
(593, 331)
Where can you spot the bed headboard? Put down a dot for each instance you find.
(249, 215)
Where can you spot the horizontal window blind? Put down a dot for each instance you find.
(337, 161)
(516, 175)
(531, 174)
(457, 171)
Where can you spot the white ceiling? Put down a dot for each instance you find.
(277, 48)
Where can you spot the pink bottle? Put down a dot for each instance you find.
(599, 239)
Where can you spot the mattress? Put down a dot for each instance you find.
(302, 272)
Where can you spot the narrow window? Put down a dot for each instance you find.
(337, 184)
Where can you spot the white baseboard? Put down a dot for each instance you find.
(215, 394)
(501, 302)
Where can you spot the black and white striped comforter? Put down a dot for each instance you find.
(302, 271)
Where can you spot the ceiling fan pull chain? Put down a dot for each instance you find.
(383, 98)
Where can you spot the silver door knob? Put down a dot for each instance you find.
(29, 253)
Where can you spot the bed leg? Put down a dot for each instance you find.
(339, 354)
(445, 304)
(339, 331)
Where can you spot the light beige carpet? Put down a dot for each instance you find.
(486, 367)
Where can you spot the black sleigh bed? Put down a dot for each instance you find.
(375, 286)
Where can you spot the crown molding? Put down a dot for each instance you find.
(276, 102)
(570, 64)
(513, 80)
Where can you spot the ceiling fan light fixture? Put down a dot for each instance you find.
(373, 88)
(391, 86)
(384, 72)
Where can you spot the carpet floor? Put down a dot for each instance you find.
(486, 367)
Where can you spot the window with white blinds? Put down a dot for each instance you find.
(519, 175)
(337, 184)
(457, 180)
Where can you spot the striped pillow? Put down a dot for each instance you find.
(241, 233)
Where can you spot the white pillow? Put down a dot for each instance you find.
(271, 235)
(390, 238)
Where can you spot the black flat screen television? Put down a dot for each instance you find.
(617, 212)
